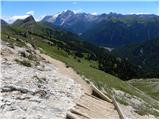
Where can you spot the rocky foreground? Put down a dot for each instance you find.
(31, 87)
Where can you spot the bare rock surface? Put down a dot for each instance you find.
(133, 104)
(61, 68)
(38, 91)
(131, 114)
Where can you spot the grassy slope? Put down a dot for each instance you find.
(100, 78)
(149, 86)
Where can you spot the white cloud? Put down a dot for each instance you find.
(30, 13)
(94, 13)
(14, 18)
(2, 17)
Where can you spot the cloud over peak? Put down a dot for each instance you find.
(14, 18)
(30, 13)
(94, 13)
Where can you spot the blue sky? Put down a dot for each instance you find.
(12, 10)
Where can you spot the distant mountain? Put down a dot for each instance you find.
(49, 19)
(110, 30)
(145, 55)
(30, 25)
(76, 23)
(3, 22)
(118, 30)
(23, 23)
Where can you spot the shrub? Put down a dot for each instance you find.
(33, 45)
(17, 39)
(67, 66)
(79, 60)
(24, 62)
(122, 101)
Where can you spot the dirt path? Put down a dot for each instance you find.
(68, 72)
(88, 106)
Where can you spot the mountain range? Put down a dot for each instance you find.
(109, 30)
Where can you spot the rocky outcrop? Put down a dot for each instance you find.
(35, 91)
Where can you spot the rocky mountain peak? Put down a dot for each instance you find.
(25, 22)
(29, 19)
(67, 12)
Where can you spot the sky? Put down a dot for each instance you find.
(12, 10)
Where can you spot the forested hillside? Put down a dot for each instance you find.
(145, 55)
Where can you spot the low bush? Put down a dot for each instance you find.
(24, 62)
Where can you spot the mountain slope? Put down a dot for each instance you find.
(145, 55)
(68, 20)
(3, 22)
(110, 30)
(115, 32)
(149, 86)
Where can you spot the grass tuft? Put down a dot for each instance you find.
(24, 62)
